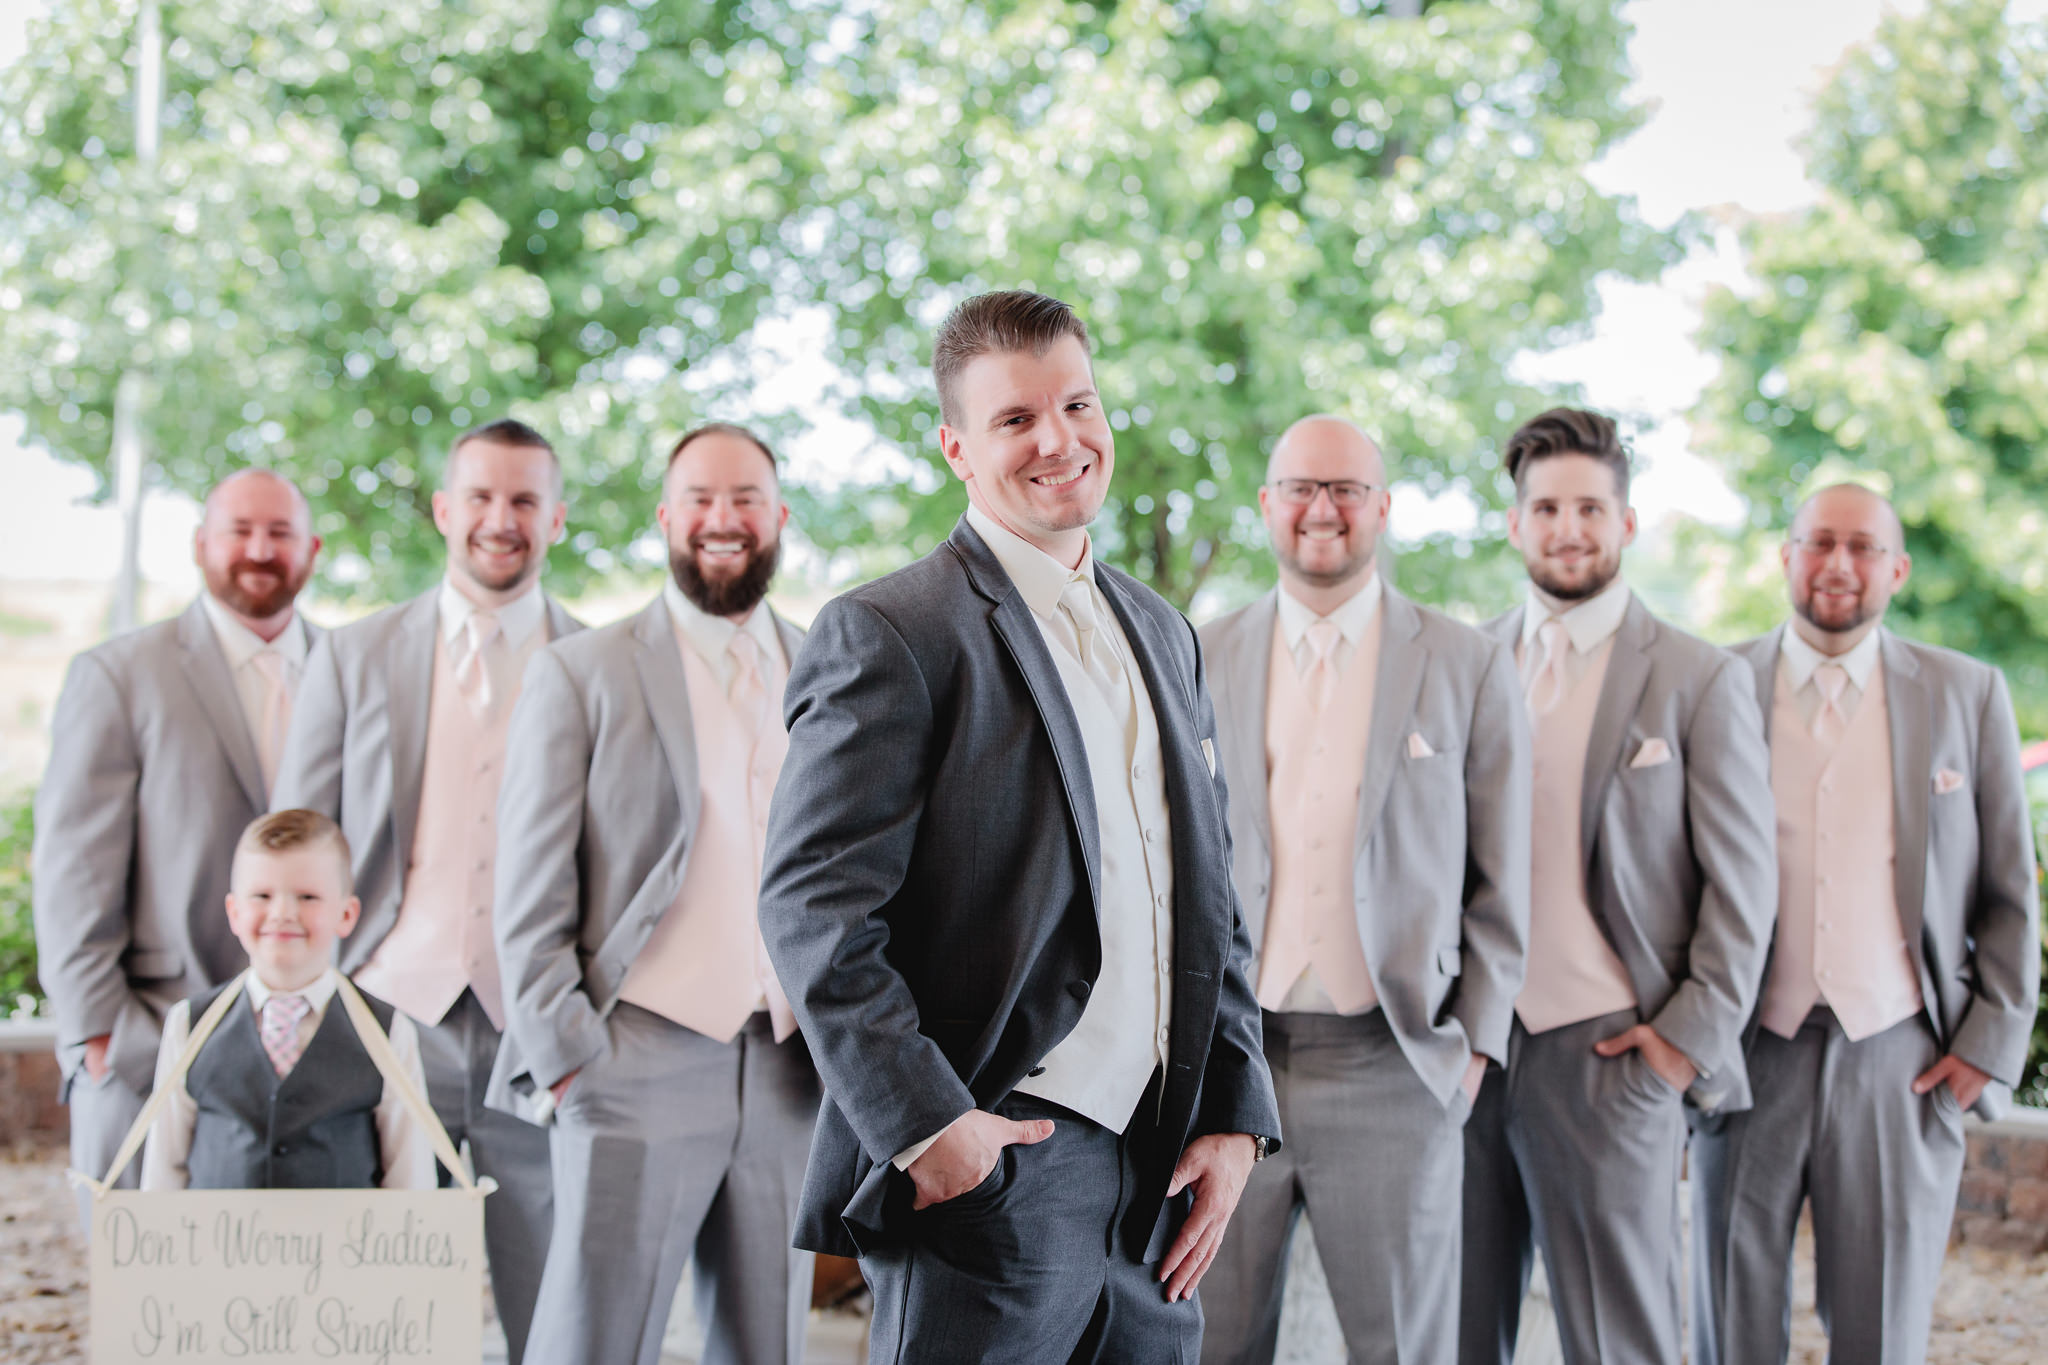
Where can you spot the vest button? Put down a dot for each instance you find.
(1078, 989)
(280, 1150)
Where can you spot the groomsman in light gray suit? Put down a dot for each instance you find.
(162, 751)
(1905, 969)
(400, 737)
(642, 1007)
(1379, 768)
(1650, 905)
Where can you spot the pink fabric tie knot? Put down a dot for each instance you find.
(472, 675)
(1322, 636)
(1546, 682)
(282, 1015)
(277, 713)
(746, 692)
(1830, 722)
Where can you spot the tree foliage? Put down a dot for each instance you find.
(1899, 331)
(374, 223)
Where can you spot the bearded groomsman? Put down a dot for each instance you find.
(400, 736)
(642, 1004)
(1904, 973)
(162, 750)
(1379, 768)
(1651, 901)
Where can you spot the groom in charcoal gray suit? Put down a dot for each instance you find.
(998, 894)
(1378, 765)
(1650, 905)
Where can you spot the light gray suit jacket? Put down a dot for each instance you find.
(1442, 859)
(153, 776)
(595, 825)
(358, 748)
(1680, 856)
(1964, 869)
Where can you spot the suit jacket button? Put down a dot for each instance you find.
(1078, 989)
(1035, 1071)
(280, 1150)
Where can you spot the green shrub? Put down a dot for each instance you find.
(20, 992)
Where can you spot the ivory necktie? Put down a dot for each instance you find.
(1830, 721)
(1322, 670)
(472, 674)
(745, 691)
(1098, 654)
(1546, 683)
(277, 713)
(282, 1015)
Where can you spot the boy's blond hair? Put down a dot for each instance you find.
(282, 831)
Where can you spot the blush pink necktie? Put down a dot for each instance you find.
(1321, 683)
(472, 675)
(277, 714)
(745, 691)
(1546, 683)
(1830, 722)
(282, 1015)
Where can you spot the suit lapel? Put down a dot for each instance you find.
(659, 661)
(206, 669)
(1395, 687)
(409, 690)
(560, 622)
(1763, 654)
(1245, 674)
(1628, 673)
(1911, 722)
(792, 639)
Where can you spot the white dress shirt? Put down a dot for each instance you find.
(1590, 624)
(519, 632)
(407, 1151)
(1801, 661)
(241, 645)
(1100, 1070)
(711, 636)
(1352, 620)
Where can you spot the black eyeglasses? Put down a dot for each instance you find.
(1345, 493)
(1823, 547)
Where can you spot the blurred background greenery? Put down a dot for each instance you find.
(371, 224)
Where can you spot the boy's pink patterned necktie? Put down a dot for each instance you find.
(280, 1031)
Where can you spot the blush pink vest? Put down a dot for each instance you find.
(1316, 764)
(1839, 935)
(705, 966)
(1573, 973)
(442, 940)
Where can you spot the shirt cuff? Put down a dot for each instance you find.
(901, 1161)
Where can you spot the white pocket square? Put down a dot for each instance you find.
(1418, 747)
(1653, 752)
(1947, 780)
(1209, 756)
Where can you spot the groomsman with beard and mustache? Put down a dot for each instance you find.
(400, 737)
(163, 749)
(643, 1012)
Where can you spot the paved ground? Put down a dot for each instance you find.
(1993, 1308)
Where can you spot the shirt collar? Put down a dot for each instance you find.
(517, 619)
(241, 644)
(1802, 660)
(1589, 623)
(711, 636)
(317, 995)
(1352, 619)
(1037, 575)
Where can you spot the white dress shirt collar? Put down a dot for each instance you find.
(316, 995)
(1589, 623)
(711, 636)
(1352, 619)
(1038, 577)
(1801, 660)
(517, 619)
(241, 644)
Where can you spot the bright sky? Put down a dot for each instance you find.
(1728, 113)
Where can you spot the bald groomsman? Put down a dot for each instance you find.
(162, 751)
(1378, 768)
(640, 994)
(400, 737)
(1903, 977)
(1650, 905)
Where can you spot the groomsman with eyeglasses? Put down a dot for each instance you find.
(1378, 768)
(1651, 882)
(1904, 972)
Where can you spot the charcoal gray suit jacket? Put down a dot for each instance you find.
(930, 891)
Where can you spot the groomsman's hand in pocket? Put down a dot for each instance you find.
(1667, 1061)
(966, 1151)
(1965, 1082)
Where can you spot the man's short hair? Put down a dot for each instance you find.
(1007, 321)
(1567, 431)
(283, 831)
(723, 429)
(506, 431)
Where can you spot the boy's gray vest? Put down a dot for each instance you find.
(313, 1129)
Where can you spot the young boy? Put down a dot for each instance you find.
(284, 1094)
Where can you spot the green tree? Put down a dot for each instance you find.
(1353, 209)
(1898, 330)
